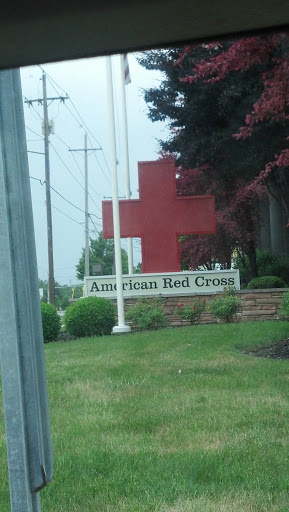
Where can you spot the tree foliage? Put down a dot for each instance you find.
(266, 59)
(63, 293)
(101, 251)
(226, 104)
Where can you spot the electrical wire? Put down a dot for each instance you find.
(79, 168)
(67, 168)
(52, 82)
(88, 131)
(83, 123)
(63, 142)
(70, 170)
(74, 176)
(35, 133)
(91, 188)
(77, 222)
(94, 223)
(64, 198)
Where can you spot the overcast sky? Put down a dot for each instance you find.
(84, 81)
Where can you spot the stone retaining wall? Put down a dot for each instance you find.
(261, 304)
(256, 305)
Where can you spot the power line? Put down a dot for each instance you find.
(77, 165)
(101, 168)
(35, 133)
(64, 198)
(37, 179)
(61, 140)
(77, 222)
(70, 172)
(95, 139)
(83, 123)
(67, 145)
(89, 215)
(80, 184)
(67, 200)
(52, 81)
(77, 207)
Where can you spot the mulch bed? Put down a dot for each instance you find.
(278, 350)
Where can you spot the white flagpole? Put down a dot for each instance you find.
(126, 157)
(121, 327)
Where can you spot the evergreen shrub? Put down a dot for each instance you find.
(90, 316)
(147, 314)
(51, 323)
(266, 282)
(268, 264)
(272, 264)
(284, 314)
(225, 305)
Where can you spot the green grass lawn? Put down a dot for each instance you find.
(176, 420)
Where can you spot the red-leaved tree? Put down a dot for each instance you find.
(268, 56)
(226, 104)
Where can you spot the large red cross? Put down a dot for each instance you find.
(158, 217)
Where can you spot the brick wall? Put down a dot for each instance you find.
(256, 305)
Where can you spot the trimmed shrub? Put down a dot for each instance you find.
(284, 313)
(192, 312)
(50, 322)
(147, 314)
(266, 282)
(268, 264)
(272, 264)
(91, 316)
(225, 305)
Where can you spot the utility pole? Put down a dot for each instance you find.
(86, 250)
(47, 131)
(48, 195)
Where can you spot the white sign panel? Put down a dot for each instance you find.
(175, 283)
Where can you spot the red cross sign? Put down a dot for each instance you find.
(158, 217)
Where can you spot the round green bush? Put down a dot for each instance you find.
(147, 314)
(226, 305)
(192, 312)
(91, 316)
(266, 282)
(50, 322)
(225, 308)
